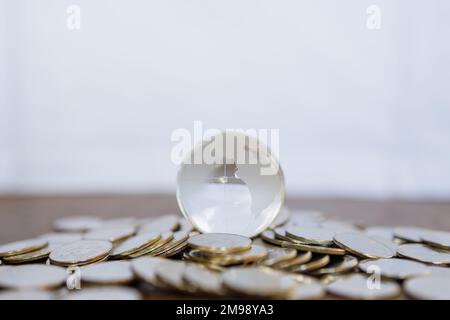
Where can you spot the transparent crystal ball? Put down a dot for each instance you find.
(231, 194)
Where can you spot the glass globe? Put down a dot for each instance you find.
(238, 187)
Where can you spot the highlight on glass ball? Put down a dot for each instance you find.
(230, 183)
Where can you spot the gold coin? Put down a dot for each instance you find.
(362, 245)
(220, 242)
(203, 279)
(135, 244)
(115, 234)
(317, 262)
(80, 252)
(357, 286)
(77, 223)
(32, 276)
(269, 236)
(308, 235)
(107, 273)
(103, 293)
(276, 255)
(301, 258)
(258, 282)
(19, 247)
(31, 256)
(394, 268)
(165, 238)
(254, 254)
(428, 288)
(338, 265)
(314, 248)
(160, 224)
(27, 294)
(423, 253)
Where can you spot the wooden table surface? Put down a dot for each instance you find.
(27, 216)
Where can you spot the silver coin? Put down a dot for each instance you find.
(61, 237)
(380, 231)
(120, 223)
(80, 252)
(428, 288)
(394, 268)
(308, 291)
(391, 244)
(110, 234)
(423, 253)
(23, 246)
(144, 268)
(109, 272)
(77, 223)
(358, 286)
(440, 239)
(26, 295)
(410, 234)
(35, 255)
(258, 282)
(170, 272)
(277, 255)
(203, 279)
(362, 245)
(318, 236)
(160, 224)
(103, 293)
(32, 276)
(134, 244)
(165, 238)
(337, 226)
(220, 242)
(439, 271)
(338, 265)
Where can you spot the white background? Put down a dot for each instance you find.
(361, 112)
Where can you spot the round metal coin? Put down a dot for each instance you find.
(220, 242)
(362, 245)
(36, 276)
(80, 252)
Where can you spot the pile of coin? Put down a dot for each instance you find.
(303, 255)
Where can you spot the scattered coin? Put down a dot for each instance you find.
(269, 236)
(135, 244)
(203, 279)
(394, 268)
(107, 273)
(35, 255)
(439, 239)
(170, 272)
(317, 262)
(439, 271)
(318, 236)
(301, 258)
(26, 295)
(337, 226)
(103, 293)
(428, 288)
(164, 239)
(77, 223)
(362, 245)
(19, 247)
(280, 233)
(258, 282)
(338, 265)
(32, 276)
(115, 234)
(423, 253)
(119, 223)
(55, 238)
(80, 252)
(410, 234)
(161, 224)
(308, 291)
(276, 255)
(254, 254)
(380, 231)
(179, 237)
(358, 286)
(314, 248)
(144, 268)
(220, 242)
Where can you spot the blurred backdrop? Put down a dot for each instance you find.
(90, 91)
